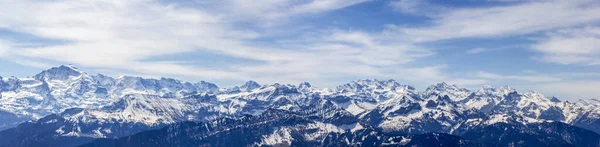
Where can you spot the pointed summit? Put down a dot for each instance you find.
(455, 92)
(207, 86)
(442, 86)
(304, 86)
(534, 94)
(249, 86)
(62, 72)
(443, 83)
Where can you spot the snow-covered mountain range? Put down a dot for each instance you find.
(74, 107)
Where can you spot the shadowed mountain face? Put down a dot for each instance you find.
(64, 106)
(276, 128)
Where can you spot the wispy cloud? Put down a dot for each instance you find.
(571, 46)
(571, 90)
(476, 51)
(504, 21)
(268, 13)
(126, 35)
(526, 78)
(407, 6)
(417, 7)
(4, 49)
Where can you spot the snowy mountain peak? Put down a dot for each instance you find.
(488, 96)
(281, 87)
(443, 86)
(249, 86)
(535, 94)
(170, 80)
(105, 102)
(494, 88)
(496, 91)
(99, 75)
(588, 102)
(207, 86)
(304, 85)
(443, 83)
(555, 99)
(144, 108)
(370, 85)
(455, 92)
(62, 72)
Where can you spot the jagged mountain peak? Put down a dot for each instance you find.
(101, 75)
(143, 108)
(488, 96)
(443, 83)
(497, 91)
(207, 83)
(62, 72)
(249, 86)
(376, 81)
(533, 95)
(207, 86)
(443, 86)
(506, 87)
(377, 85)
(384, 104)
(304, 85)
(122, 77)
(68, 67)
(555, 99)
(453, 91)
(588, 102)
(170, 80)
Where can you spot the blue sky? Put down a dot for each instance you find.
(550, 46)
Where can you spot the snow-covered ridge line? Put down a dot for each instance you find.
(382, 103)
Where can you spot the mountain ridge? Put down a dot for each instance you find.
(72, 105)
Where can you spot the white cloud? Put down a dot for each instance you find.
(568, 46)
(4, 49)
(417, 7)
(529, 71)
(31, 63)
(529, 78)
(476, 50)
(571, 46)
(127, 35)
(502, 21)
(316, 6)
(469, 83)
(267, 13)
(407, 6)
(579, 74)
(117, 34)
(340, 54)
(7, 50)
(571, 90)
